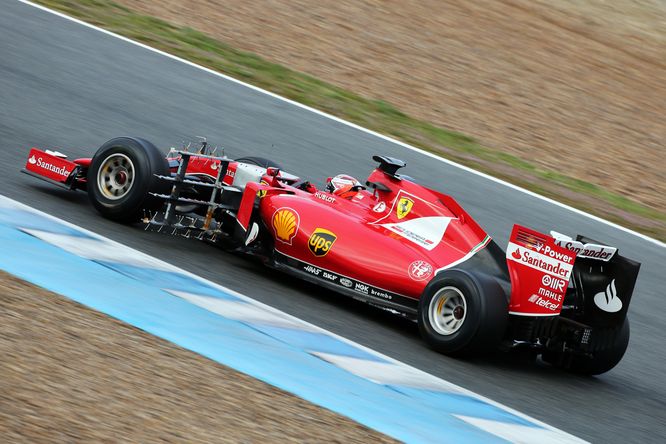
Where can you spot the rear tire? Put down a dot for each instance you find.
(121, 176)
(600, 362)
(462, 314)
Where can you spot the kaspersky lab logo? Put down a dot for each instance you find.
(607, 300)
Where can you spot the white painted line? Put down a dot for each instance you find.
(245, 311)
(515, 433)
(388, 373)
(355, 126)
(97, 250)
(10, 203)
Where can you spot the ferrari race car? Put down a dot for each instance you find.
(387, 241)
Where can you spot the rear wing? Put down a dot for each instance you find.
(545, 269)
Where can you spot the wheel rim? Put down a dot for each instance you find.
(116, 176)
(447, 310)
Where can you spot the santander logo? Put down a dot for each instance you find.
(608, 300)
(547, 260)
(41, 163)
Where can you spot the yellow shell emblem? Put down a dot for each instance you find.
(285, 224)
(405, 205)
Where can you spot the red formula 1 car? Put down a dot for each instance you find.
(387, 241)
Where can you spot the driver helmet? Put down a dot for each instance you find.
(343, 186)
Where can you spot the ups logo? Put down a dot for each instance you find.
(321, 241)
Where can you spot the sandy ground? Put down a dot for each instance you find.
(576, 86)
(70, 374)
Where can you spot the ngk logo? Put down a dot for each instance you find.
(553, 283)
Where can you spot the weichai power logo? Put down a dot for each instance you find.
(321, 241)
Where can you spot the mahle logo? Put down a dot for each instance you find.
(321, 241)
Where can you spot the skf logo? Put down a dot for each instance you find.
(285, 224)
(321, 242)
(405, 205)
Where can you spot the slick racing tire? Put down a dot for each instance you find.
(259, 161)
(600, 361)
(122, 176)
(462, 314)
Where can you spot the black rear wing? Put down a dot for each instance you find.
(604, 282)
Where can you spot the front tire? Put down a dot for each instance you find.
(462, 314)
(122, 176)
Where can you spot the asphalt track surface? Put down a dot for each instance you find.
(67, 86)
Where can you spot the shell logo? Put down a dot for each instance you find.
(285, 223)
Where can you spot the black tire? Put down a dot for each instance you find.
(485, 314)
(600, 361)
(125, 198)
(259, 161)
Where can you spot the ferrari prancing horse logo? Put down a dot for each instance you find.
(405, 205)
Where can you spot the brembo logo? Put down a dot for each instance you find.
(607, 300)
(48, 166)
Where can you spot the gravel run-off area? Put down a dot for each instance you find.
(71, 374)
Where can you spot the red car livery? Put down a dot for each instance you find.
(389, 241)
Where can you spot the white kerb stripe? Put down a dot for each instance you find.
(520, 434)
(242, 311)
(100, 250)
(389, 373)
